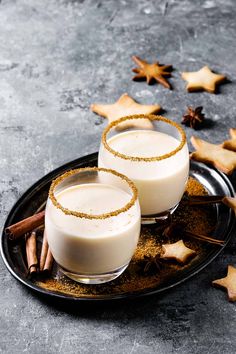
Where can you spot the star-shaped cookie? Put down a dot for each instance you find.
(230, 202)
(151, 72)
(177, 251)
(231, 144)
(232, 132)
(204, 79)
(224, 160)
(126, 106)
(229, 283)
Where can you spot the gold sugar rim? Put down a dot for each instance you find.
(151, 117)
(67, 211)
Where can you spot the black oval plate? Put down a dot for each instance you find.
(214, 181)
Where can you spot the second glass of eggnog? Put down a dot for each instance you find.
(92, 226)
(155, 158)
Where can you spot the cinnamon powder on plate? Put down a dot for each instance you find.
(199, 219)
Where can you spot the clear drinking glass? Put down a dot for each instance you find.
(92, 223)
(152, 151)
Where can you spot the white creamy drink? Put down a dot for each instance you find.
(92, 246)
(160, 183)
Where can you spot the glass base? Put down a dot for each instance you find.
(94, 278)
(155, 218)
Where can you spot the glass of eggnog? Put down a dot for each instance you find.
(152, 151)
(92, 223)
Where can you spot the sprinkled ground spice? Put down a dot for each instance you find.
(199, 219)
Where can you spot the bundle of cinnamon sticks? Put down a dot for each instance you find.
(29, 229)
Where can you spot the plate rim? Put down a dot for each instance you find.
(127, 295)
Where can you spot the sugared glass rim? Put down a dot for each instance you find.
(138, 158)
(67, 211)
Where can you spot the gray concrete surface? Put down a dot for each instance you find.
(56, 58)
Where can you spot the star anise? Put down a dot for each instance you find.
(194, 117)
(151, 265)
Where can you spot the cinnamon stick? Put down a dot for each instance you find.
(44, 252)
(211, 199)
(204, 238)
(24, 226)
(49, 262)
(203, 199)
(46, 258)
(173, 229)
(31, 252)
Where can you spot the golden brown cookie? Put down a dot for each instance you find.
(178, 252)
(126, 106)
(224, 160)
(230, 144)
(228, 283)
(231, 203)
(204, 79)
(152, 72)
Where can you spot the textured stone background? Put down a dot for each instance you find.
(58, 57)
